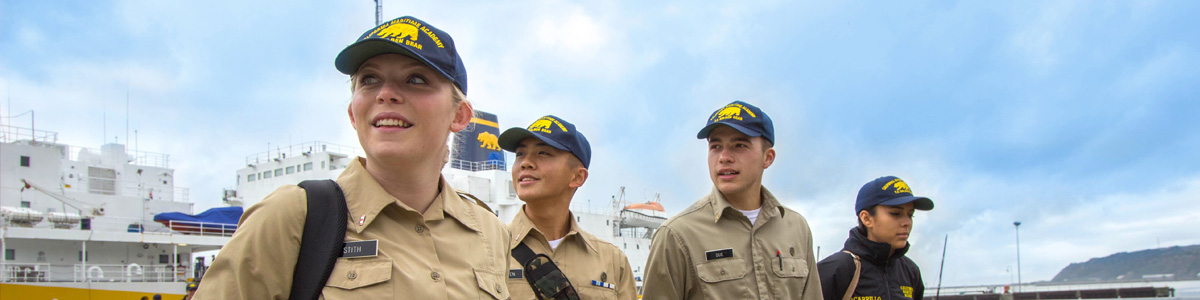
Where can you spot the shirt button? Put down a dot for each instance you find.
(497, 287)
(722, 271)
(435, 276)
(420, 229)
(352, 275)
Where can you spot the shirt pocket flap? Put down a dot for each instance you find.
(355, 273)
(492, 283)
(792, 267)
(721, 270)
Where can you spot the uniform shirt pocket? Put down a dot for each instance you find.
(792, 267)
(492, 283)
(721, 270)
(791, 279)
(359, 277)
(588, 291)
(723, 279)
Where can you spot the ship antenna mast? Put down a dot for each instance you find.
(378, 12)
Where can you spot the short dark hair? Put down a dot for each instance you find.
(870, 211)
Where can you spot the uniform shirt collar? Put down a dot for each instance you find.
(370, 198)
(522, 227)
(770, 205)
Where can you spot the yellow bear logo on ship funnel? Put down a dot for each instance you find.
(488, 141)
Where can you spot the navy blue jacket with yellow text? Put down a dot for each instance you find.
(884, 276)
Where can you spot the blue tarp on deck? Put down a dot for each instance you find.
(217, 218)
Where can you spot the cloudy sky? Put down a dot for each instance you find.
(1078, 119)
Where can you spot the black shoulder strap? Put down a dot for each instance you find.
(321, 244)
(522, 253)
(525, 256)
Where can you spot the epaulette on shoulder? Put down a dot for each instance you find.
(476, 199)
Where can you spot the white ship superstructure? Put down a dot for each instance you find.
(77, 223)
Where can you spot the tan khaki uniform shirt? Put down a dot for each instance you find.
(581, 256)
(711, 251)
(456, 250)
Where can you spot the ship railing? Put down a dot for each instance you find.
(306, 148)
(202, 228)
(9, 134)
(475, 166)
(140, 158)
(18, 272)
(128, 273)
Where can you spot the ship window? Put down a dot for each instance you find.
(250, 177)
(10, 254)
(164, 259)
(24, 204)
(322, 164)
(512, 191)
(307, 166)
(577, 219)
(81, 256)
(266, 174)
(24, 161)
(291, 169)
(278, 172)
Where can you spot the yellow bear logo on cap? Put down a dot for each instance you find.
(731, 111)
(399, 31)
(488, 141)
(543, 125)
(900, 186)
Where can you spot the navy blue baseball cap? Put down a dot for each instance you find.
(411, 37)
(891, 191)
(554, 131)
(746, 118)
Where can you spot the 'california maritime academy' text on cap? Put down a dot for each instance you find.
(891, 191)
(743, 117)
(554, 131)
(411, 37)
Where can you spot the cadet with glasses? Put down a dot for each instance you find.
(408, 89)
(738, 242)
(872, 264)
(553, 257)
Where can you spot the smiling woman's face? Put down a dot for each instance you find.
(402, 109)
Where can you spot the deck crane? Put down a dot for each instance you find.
(76, 204)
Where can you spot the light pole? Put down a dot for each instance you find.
(1017, 225)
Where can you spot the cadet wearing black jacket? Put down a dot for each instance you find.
(885, 208)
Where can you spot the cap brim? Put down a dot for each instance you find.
(704, 132)
(919, 203)
(351, 58)
(511, 138)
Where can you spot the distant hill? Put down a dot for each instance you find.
(1178, 263)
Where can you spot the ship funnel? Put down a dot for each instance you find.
(477, 147)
